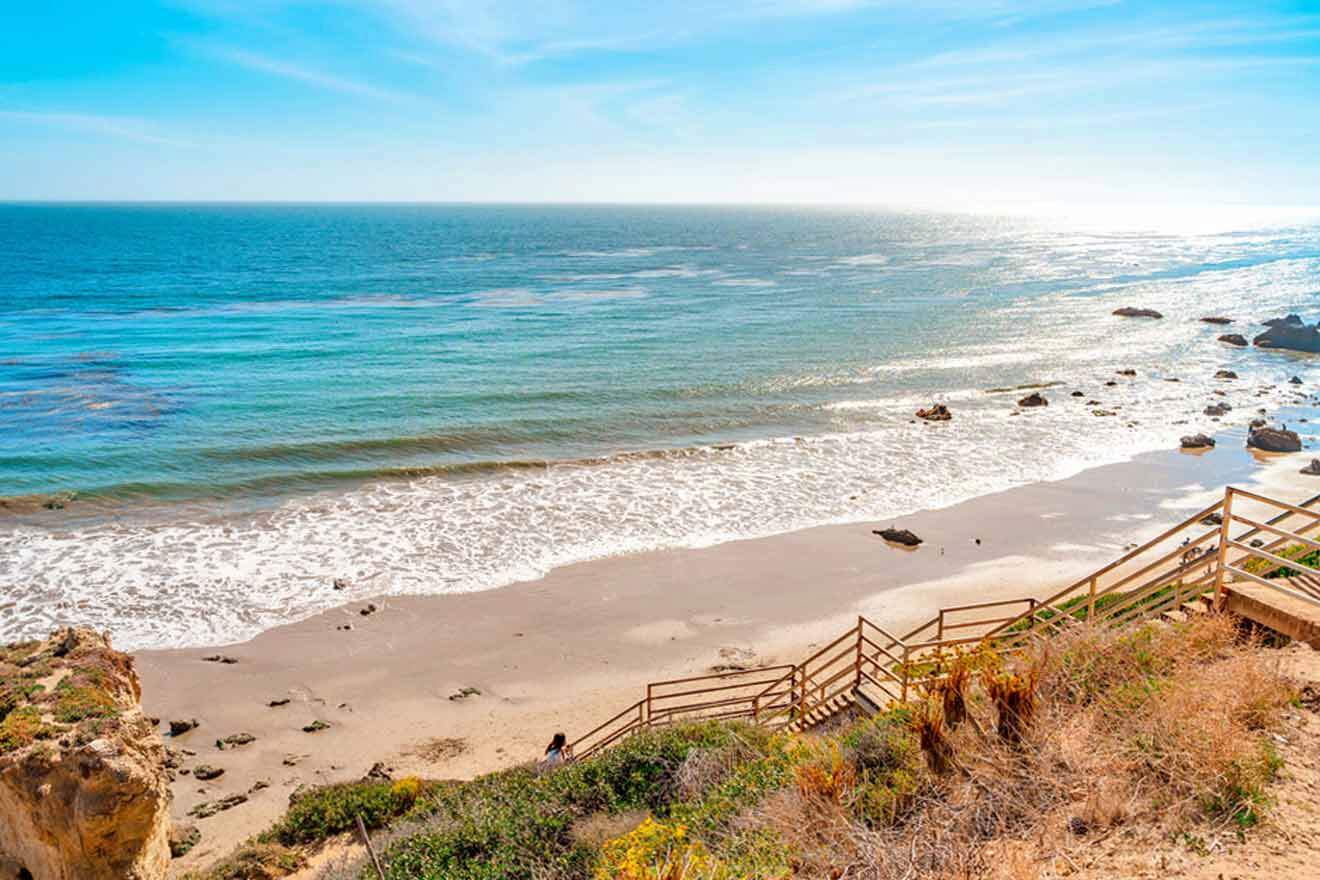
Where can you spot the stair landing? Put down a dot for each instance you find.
(1294, 617)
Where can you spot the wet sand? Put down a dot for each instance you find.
(569, 650)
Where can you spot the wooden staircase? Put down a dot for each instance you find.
(1196, 567)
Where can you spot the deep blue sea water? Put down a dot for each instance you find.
(210, 412)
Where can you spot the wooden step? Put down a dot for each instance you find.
(865, 703)
(1196, 606)
(1174, 616)
(1293, 616)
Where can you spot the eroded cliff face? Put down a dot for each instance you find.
(84, 793)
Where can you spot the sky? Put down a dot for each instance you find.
(952, 104)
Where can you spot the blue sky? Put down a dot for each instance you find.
(947, 104)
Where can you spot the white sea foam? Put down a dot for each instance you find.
(204, 579)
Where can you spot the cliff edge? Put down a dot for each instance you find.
(84, 792)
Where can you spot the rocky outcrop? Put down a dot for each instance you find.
(936, 413)
(1197, 441)
(1274, 440)
(1226, 374)
(84, 791)
(1217, 409)
(1312, 469)
(1291, 333)
(1216, 319)
(1130, 312)
(1234, 339)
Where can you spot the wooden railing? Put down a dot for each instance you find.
(1186, 562)
(1236, 555)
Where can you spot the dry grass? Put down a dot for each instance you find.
(1082, 734)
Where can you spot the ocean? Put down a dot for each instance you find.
(210, 413)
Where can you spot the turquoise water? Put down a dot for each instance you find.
(207, 413)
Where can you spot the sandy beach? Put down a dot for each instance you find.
(569, 650)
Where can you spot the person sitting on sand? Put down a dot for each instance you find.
(557, 752)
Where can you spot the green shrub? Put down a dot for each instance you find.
(74, 702)
(22, 727)
(333, 809)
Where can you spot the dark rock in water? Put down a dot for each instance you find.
(1078, 394)
(1274, 440)
(1290, 333)
(180, 727)
(1234, 339)
(206, 771)
(1257, 542)
(1295, 380)
(341, 583)
(182, 839)
(315, 726)
(370, 609)
(898, 536)
(1127, 372)
(1197, 441)
(1257, 423)
(1226, 374)
(1213, 519)
(936, 413)
(1130, 312)
(1312, 469)
(1110, 384)
(221, 658)
(1217, 409)
(1093, 403)
(1033, 399)
(1216, 319)
(281, 701)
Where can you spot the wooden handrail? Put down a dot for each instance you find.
(802, 688)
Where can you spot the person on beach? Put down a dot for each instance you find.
(557, 752)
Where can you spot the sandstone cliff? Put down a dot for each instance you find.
(84, 793)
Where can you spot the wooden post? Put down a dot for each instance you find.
(906, 672)
(939, 630)
(1226, 515)
(371, 851)
(1090, 603)
(645, 717)
(857, 671)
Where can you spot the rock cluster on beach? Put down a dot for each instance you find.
(935, 413)
(1131, 312)
(84, 788)
(1197, 441)
(1035, 398)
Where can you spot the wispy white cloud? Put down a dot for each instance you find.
(307, 75)
(1193, 35)
(123, 127)
(515, 33)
